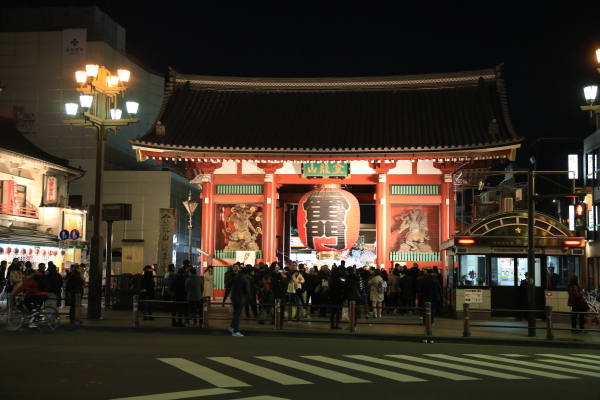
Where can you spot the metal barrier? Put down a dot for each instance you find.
(549, 327)
(428, 331)
(549, 320)
(278, 309)
(466, 326)
(78, 309)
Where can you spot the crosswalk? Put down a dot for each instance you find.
(233, 372)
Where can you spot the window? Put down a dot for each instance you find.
(559, 271)
(510, 271)
(22, 195)
(472, 270)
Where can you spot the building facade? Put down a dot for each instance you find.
(34, 188)
(40, 51)
(258, 145)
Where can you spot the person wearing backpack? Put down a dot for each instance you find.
(377, 289)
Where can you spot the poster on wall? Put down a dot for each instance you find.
(415, 228)
(245, 257)
(166, 230)
(73, 220)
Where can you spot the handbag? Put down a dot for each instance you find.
(583, 306)
(345, 314)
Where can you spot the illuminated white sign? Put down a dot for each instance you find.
(572, 217)
(573, 163)
(591, 221)
(590, 165)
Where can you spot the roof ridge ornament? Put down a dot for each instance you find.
(160, 129)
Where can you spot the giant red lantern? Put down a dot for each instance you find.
(328, 219)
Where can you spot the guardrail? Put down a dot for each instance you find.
(278, 313)
(549, 320)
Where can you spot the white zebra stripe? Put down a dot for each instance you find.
(465, 368)
(493, 365)
(570, 358)
(448, 375)
(207, 374)
(325, 373)
(264, 373)
(370, 370)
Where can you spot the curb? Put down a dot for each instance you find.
(297, 334)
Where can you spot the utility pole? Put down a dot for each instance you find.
(531, 254)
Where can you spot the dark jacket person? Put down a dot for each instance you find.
(240, 288)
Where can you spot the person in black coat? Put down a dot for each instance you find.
(336, 297)
(311, 282)
(407, 294)
(430, 292)
(147, 293)
(523, 299)
(179, 297)
(352, 291)
(55, 284)
(75, 284)
(240, 290)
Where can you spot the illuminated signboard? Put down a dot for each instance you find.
(573, 163)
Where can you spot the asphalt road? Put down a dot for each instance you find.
(86, 365)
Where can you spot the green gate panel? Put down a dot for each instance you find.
(239, 189)
(415, 189)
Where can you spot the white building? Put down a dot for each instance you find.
(33, 211)
(40, 50)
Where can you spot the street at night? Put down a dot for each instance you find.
(89, 365)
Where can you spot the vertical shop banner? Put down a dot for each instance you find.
(74, 50)
(51, 187)
(166, 230)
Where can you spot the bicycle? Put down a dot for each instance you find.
(46, 319)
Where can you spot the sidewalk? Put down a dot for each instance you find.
(498, 331)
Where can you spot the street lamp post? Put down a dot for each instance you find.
(190, 205)
(99, 91)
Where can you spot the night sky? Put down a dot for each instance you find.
(547, 47)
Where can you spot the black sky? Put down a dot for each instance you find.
(547, 47)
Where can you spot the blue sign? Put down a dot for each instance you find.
(74, 234)
(64, 234)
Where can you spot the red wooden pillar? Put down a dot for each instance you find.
(382, 207)
(447, 205)
(207, 230)
(269, 211)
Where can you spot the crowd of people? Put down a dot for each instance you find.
(326, 291)
(42, 286)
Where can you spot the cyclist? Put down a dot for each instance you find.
(34, 297)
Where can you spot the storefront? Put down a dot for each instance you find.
(491, 256)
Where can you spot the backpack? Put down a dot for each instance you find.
(382, 286)
(42, 282)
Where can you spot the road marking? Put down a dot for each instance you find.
(370, 370)
(460, 367)
(262, 398)
(570, 358)
(181, 395)
(535, 365)
(449, 375)
(570, 364)
(265, 373)
(585, 355)
(325, 373)
(207, 374)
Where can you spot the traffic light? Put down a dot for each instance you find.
(580, 217)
